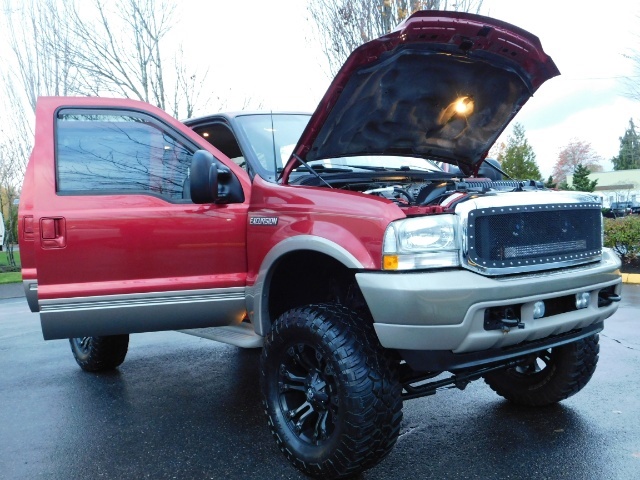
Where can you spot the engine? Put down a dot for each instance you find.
(445, 193)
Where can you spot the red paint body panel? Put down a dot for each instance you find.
(26, 224)
(351, 220)
(134, 243)
(129, 243)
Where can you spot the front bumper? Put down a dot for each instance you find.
(445, 310)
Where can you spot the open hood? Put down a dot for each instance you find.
(442, 86)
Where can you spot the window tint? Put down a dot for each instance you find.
(119, 153)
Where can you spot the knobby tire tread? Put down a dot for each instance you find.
(105, 353)
(372, 383)
(576, 364)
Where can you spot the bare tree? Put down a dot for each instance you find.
(16, 139)
(632, 83)
(343, 25)
(102, 47)
(39, 64)
(41, 49)
(125, 52)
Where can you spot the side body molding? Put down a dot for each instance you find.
(141, 312)
(257, 294)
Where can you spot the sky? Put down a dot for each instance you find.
(263, 54)
(266, 54)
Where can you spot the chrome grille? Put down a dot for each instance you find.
(533, 237)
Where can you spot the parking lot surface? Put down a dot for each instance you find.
(184, 407)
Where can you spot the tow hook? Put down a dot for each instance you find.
(606, 297)
(503, 318)
(509, 323)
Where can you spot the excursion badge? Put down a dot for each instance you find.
(271, 221)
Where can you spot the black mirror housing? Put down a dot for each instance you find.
(203, 177)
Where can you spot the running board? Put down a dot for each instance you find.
(241, 335)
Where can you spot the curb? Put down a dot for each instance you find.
(633, 278)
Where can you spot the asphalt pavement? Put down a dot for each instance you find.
(11, 290)
(188, 408)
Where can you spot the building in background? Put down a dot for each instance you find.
(615, 187)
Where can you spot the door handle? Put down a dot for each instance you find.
(53, 232)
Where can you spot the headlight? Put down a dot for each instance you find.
(422, 242)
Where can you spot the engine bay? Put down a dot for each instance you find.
(418, 189)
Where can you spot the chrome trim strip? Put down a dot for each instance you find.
(527, 267)
(141, 312)
(137, 299)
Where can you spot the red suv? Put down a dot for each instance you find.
(340, 243)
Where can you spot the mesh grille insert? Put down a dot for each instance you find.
(534, 235)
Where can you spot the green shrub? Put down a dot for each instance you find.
(623, 235)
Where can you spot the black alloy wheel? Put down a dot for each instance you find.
(308, 393)
(330, 391)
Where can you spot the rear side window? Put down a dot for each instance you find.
(101, 153)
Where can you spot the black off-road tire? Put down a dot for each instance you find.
(98, 354)
(548, 376)
(330, 391)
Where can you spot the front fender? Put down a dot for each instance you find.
(257, 298)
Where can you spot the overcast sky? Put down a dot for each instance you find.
(265, 52)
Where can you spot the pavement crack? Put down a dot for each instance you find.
(618, 341)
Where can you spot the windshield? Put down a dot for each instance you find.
(272, 138)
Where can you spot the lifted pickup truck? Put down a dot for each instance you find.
(362, 248)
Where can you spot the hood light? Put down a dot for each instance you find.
(460, 107)
(464, 106)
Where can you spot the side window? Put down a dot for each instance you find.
(119, 153)
(221, 137)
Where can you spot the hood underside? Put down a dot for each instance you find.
(443, 86)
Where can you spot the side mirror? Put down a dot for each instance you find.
(203, 178)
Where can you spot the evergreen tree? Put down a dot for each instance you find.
(629, 155)
(518, 159)
(564, 185)
(550, 183)
(581, 180)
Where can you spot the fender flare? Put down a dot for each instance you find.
(257, 301)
